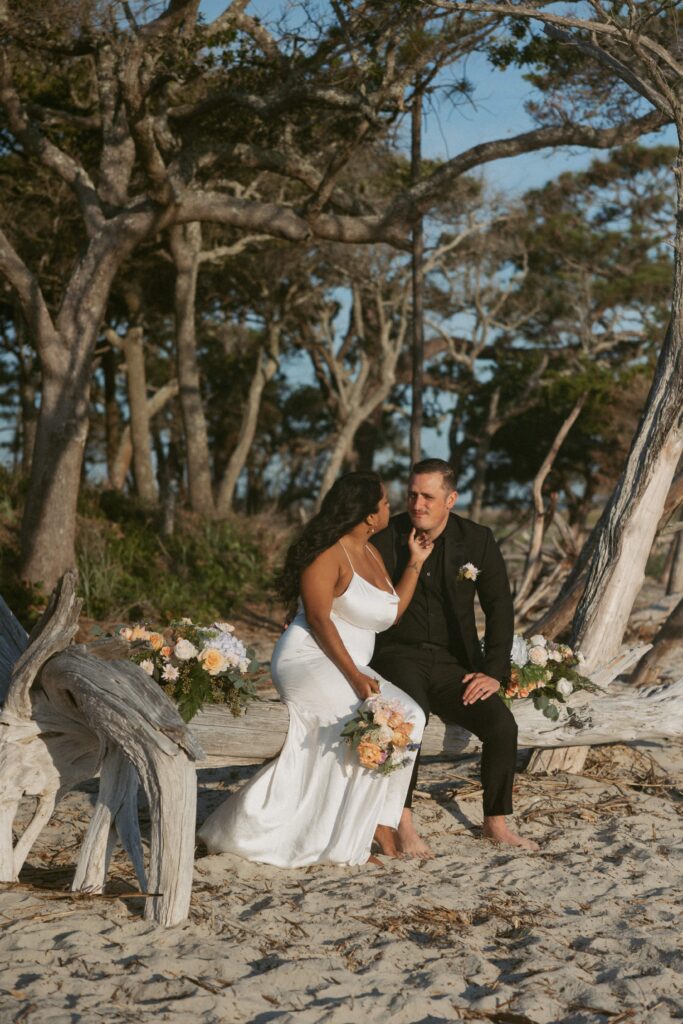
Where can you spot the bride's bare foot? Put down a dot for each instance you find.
(385, 838)
(496, 829)
(409, 842)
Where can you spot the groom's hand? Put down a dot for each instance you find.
(479, 687)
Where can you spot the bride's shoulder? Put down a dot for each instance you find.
(327, 560)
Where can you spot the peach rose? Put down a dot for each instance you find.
(395, 719)
(213, 660)
(369, 754)
(139, 633)
(156, 640)
(401, 735)
(166, 652)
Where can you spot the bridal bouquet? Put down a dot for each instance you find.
(196, 664)
(545, 671)
(381, 735)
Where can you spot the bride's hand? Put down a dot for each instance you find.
(365, 686)
(420, 546)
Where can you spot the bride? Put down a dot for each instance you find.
(315, 804)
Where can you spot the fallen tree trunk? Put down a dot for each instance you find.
(616, 716)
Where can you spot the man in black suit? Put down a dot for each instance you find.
(433, 652)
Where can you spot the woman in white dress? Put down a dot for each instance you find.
(315, 804)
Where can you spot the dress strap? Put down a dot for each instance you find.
(347, 555)
(369, 548)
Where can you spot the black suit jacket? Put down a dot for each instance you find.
(464, 541)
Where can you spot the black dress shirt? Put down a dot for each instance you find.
(427, 617)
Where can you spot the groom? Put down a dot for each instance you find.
(434, 654)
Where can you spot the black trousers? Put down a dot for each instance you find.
(433, 678)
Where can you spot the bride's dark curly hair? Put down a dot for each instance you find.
(349, 500)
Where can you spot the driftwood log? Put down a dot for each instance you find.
(619, 714)
(71, 712)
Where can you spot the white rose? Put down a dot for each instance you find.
(581, 658)
(519, 654)
(564, 687)
(538, 655)
(147, 666)
(184, 650)
(554, 655)
(385, 734)
(538, 641)
(224, 627)
(170, 673)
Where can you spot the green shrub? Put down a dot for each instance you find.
(129, 571)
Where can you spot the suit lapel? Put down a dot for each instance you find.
(454, 557)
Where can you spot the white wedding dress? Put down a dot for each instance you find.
(315, 804)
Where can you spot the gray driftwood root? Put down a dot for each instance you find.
(71, 713)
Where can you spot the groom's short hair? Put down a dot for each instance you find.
(436, 466)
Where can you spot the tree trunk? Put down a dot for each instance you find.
(124, 453)
(341, 447)
(27, 393)
(669, 638)
(632, 516)
(49, 523)
(533, 561)
(266, 368)
(618, 568)
(141, 438)
(112, 413)
(366, 441)
(418, 285)
(186, 244)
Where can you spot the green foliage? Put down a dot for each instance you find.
(130, 571)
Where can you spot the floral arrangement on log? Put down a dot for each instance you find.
(545, 671)
(195, 664)
(380, 735)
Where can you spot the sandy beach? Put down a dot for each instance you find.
(588, 929)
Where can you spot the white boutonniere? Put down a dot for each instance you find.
(468, 571)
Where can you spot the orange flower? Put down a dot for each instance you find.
(369, 754)
(395, 719)
(166, 652)
(525, 691)
(401, 736)
(156, 640)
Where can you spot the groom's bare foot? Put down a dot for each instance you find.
(385, 838)
(410, 843)
(496, 829)
(374, 860)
